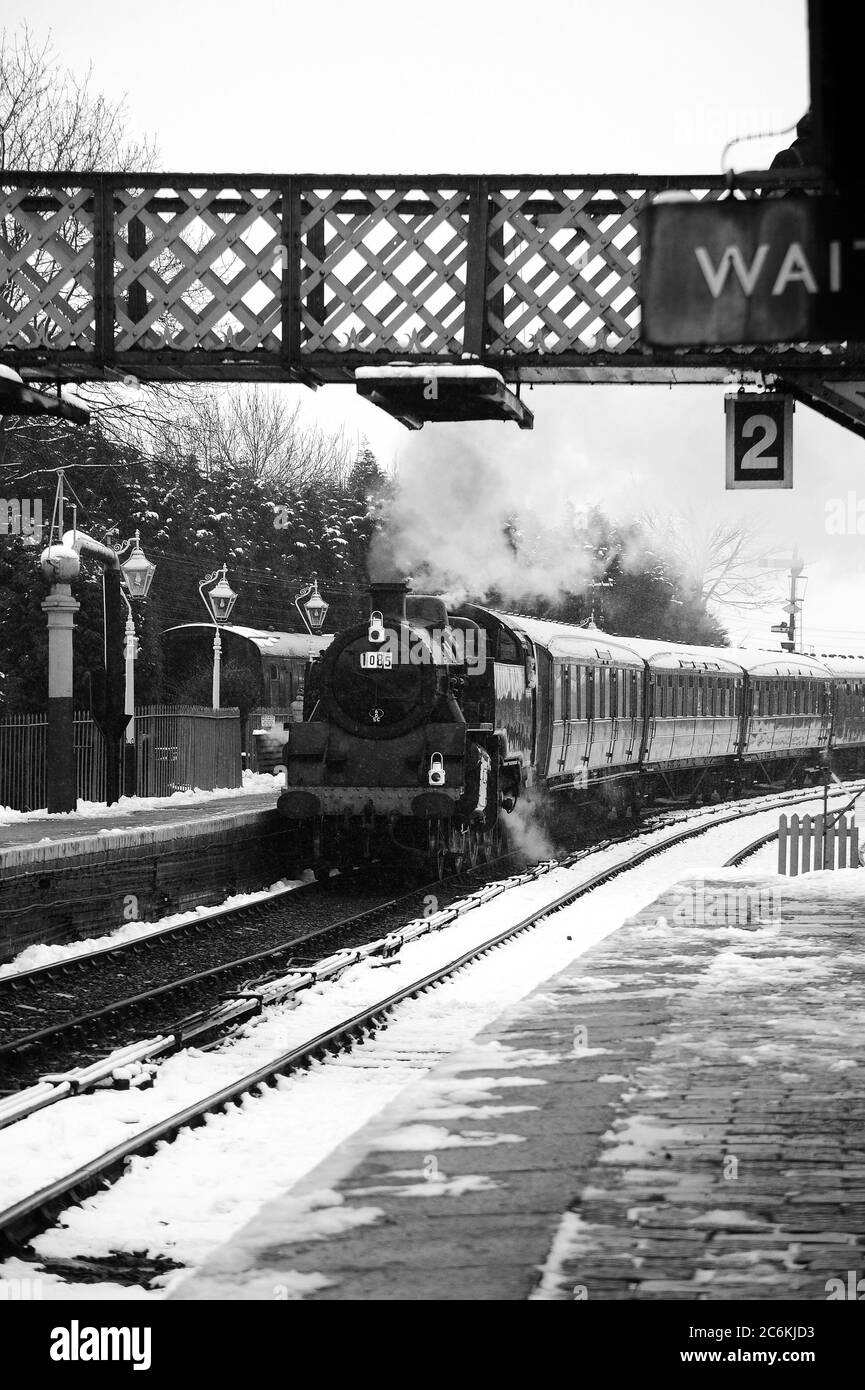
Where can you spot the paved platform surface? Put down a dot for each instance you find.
(37, 831)
(678, 1115)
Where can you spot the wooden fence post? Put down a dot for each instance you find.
(807, 840)
(782, 845)
(828, 845)
(794, 846)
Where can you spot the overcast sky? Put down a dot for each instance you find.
(477, 87)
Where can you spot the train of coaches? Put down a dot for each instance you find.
(424, 727)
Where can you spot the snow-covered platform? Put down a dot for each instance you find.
(63, 876)
(678, 1114)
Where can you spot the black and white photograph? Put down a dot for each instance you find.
(432, 673)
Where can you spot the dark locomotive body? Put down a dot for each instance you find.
(424, 727)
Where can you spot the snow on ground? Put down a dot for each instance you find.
(263, 783)
(266, 1144)
(42, 954)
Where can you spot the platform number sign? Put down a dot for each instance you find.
(759, 440)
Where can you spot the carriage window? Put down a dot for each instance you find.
(575, 692)
(635, 696)
(557, 692)
(508, 650)
(584, 693)
(614, 693)
(566, 692)
(601, 679)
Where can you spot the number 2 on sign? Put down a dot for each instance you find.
(756, 456)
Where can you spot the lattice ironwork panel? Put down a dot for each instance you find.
(564, 268)
(46, 267)
(221, 277)
(198, 267)
(384, 269)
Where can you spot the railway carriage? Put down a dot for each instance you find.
(788, 708)
(848, 711)
(694, 699)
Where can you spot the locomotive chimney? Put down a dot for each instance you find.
(388, 598)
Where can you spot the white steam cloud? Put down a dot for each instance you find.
(526, 829)
(465, 521)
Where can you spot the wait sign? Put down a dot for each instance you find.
(784, 269)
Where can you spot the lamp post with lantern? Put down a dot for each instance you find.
(219, 599)
(136, 575)
(314, 610)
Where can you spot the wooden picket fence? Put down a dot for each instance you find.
(180, 747)
(814, 843)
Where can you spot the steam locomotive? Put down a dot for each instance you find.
(424, 727)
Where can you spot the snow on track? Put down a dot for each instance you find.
(162, 1205)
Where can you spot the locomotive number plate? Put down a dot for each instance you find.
(376, 661)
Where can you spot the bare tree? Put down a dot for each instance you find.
(254, 430)
(52, 120)
(720, 564)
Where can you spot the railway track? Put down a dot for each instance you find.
(204, 959)
(76, 1012)
(19, 1222)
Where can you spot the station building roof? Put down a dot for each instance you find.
(295, 644)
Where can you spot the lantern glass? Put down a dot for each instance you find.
(222, 599)
(138, 572)
(316, 611)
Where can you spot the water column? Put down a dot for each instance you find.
(60, 565)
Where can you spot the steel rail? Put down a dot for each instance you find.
(237, 1005)
(22, 1220)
